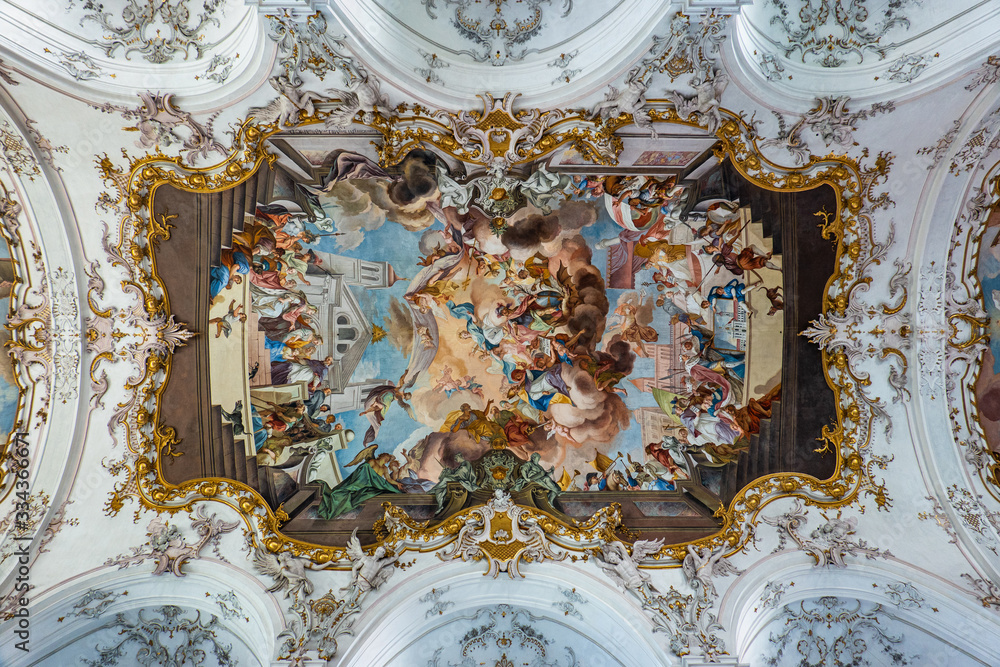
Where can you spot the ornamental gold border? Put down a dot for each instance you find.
(31, 341)
(965, 332)
(849, 228)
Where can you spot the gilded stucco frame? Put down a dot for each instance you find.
(968, 330)
(406, 127)
(31, 343)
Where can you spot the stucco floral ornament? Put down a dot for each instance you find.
(829, 543)
(161, 124)
(168, 546)
(134, 334)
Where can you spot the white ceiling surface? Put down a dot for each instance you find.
(927, 42)
(66, 41)
(604, 36)
(928, 553)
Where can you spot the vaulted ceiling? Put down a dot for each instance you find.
(892, 105)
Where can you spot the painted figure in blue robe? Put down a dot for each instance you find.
(734, 289)
(259, 432)
(486, 338)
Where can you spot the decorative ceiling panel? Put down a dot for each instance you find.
(125, 45)
(517, 332)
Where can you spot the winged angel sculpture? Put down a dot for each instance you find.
(286, 108)
(628, 101)
(706, 100)
(700, 565)
(368, 571)
(362, 95)
(623, 568)
(287, 571)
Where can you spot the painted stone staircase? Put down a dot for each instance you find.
(767, 453)
(226, 212)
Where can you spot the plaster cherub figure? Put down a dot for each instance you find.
(169, 547)
(706, 100)
(362, 95)
(286, 107)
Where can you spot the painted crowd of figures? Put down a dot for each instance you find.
(270, 252)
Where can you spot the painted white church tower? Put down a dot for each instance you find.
(349, 329)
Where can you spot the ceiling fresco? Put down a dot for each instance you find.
(456, 332)
(608, 332)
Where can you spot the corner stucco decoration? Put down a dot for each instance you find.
(157, 120)
(170, 549)
(168, 634)
(828, 544)
(830, 32)
(306, 46)
(832, 631)
(499, 35)
(536, 133)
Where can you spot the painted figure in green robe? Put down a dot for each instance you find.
(463, 473)
(359, 486)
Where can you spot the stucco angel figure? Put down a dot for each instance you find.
(700, 565)
(706, 100)
(623, 568)
(630, 101)
(368, 571)
(287, 571)
(286, 107)
(362, 95)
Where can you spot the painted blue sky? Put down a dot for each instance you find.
(392, 243)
